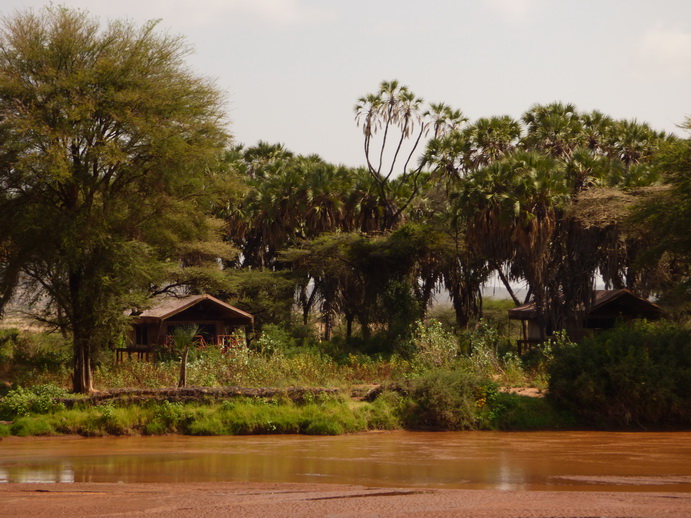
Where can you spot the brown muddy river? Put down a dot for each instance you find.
(598, 461)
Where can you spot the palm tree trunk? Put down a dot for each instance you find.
(507, 285)
(183, 369)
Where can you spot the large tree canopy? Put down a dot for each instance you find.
(107, 145)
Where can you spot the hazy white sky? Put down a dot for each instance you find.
(293, 69)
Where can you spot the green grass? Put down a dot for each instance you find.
(242, 417)
(460, 409)
(32, 426)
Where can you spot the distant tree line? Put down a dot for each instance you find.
(553, 200)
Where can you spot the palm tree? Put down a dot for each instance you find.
(183, 338)
(493, 138)
(513, 208)
(259, 157)
(633, 142)
(597, 128)
(586, 169)
(399, 116)
(555, 129)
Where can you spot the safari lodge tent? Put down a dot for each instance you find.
(609, 306)
(217, 322)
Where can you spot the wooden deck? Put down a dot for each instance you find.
(139, 352)
(148, 352)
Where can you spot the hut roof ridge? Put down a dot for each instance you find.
(171, 306)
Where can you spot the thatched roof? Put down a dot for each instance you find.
(602, 207)
(606, 301)
(168, 307)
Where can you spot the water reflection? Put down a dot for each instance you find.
(37, 474)
(479, 460)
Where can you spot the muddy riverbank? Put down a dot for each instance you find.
(259, 500)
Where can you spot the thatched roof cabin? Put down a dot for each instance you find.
(609, 306)
(217, 321)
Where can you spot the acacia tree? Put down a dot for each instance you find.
(107, 141)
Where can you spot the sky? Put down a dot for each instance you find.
(292, 70)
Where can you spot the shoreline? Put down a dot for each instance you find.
(259, 500)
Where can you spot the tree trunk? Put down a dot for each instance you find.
(459, 307)
(82, 378)
(507, 286)
(349, 324)
(82, 336)
(183, 369)
(365, 329)
(328, 324)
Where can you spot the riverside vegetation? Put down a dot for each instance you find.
(119, 182)
(631, 376)
(429, 383)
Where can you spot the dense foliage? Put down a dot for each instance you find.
(106, 145)
(436, 387)
(119, 182)
(635, 375)
(546, 200)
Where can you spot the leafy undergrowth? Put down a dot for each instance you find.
(637, 374)
(427, 405)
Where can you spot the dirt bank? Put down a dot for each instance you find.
(336, 501)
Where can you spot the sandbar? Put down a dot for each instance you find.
(249, 499)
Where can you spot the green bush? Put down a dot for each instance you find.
(445, 399)
(635, 374)
(432, 346)
(384, 412)
(481, 345)
(42, 351)
(514, 412)
(511, 373)
(39, 399)
(28, 358)
(275, 338)
(8, 342)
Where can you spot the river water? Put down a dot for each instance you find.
(598, 461)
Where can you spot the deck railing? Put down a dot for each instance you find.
(147, 352)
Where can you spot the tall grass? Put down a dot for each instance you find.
(330, 416)
(277, 359)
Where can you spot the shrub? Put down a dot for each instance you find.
(168, 417)
(40, 399)
(383, 413)
(42, 351)
(206, 422)
(482, 344)
(515, 412)
(34, 358)
(275, 338)
(8, 341)
(445, 399)
(432, 346)
(638, 373)
(512, 373)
